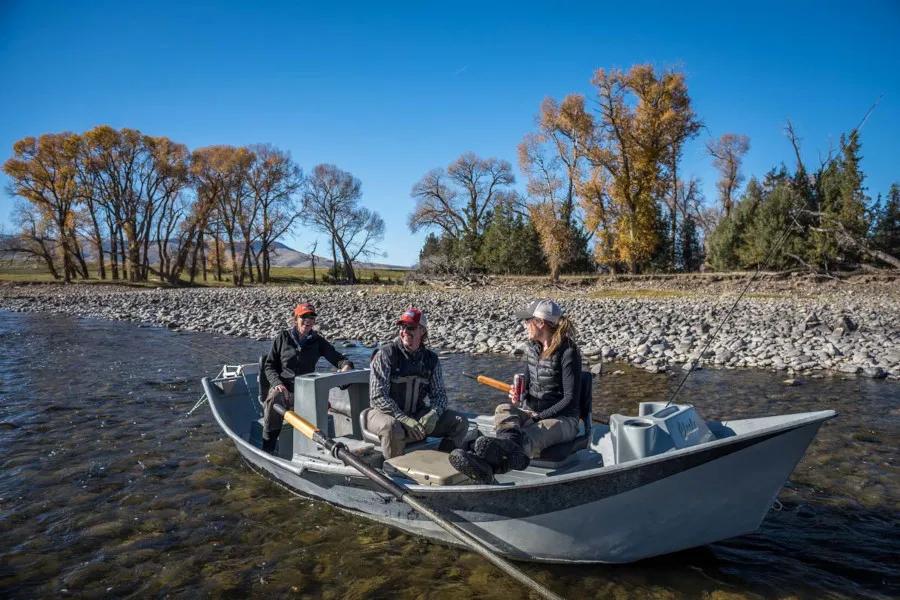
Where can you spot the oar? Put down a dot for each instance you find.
(504, 387)
(403, 494)
(485, 380)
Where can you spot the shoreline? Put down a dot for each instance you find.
(790, 325)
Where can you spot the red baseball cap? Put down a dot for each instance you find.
(304, 309)
(413, 316)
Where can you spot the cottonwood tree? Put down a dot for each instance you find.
(43, 172)
(458, 200)
(728, 152)
(554, 161)
(36, 236)
(221, 174)
(274, 181)
(331, 204)
(641, 115)
(133, 177)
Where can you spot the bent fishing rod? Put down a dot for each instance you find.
(792, 212)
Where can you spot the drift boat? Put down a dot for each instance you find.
(662, 481)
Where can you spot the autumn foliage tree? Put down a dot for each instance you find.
(42, 171)
(554, 160)
(642, 114)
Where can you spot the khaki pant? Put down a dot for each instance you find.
(537, 435)
(393, 436)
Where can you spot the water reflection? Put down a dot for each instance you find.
(107, 488)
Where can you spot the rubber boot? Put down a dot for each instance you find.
(473, 467)
(512, 451)
(270, 444)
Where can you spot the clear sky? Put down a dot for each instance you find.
(389, 91)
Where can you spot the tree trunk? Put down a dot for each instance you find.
(236, 275)
(98, 239)
(125, 273)
(334, 263)
(202, 244)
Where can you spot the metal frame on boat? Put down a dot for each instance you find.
(587, 508)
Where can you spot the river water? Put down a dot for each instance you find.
(109, 489)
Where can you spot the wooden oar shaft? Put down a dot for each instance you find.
(300, 424)
(490, 382)
(403, 494)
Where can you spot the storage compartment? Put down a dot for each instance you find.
(428, 467)
(659, 428)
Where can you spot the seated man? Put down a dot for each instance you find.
(294, 352)
(405, 372)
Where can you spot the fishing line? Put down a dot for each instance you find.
(693, 362)
(792, 213)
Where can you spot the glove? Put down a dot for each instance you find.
(429, 421)
(413, 428)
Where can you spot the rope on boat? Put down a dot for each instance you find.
(200, 402)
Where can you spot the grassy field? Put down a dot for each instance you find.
(279, 276)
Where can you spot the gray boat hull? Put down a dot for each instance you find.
(610, 514)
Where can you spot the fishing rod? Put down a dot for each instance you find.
(791, 226)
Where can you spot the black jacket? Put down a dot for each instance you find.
(553, 382)
(291, 356)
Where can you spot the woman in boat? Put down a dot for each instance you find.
(294, 352)
(548, 412)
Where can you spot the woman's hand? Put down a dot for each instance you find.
(512, 396)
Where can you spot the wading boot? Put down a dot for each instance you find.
(270, 445)
(473, 467)
(504, 452)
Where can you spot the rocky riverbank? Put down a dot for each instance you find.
(852, 330)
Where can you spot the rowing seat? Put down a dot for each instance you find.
(556, 455)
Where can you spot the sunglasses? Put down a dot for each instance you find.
(409, 328)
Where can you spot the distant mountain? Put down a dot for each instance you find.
(282, 256)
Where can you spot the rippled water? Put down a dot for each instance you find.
(107, 488)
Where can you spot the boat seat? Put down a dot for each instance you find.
(338, 398)
(557, 454)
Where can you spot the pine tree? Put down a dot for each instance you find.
(886, 226)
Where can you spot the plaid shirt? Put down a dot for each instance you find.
(380, 384)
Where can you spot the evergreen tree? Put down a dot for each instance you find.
(839, 203)
(510, 244)
(770, 220)
(691, 247)
(886, 224)
(661, 259)
(726, 239)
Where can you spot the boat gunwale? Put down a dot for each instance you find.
(302, 463)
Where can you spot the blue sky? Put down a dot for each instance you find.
(389, 91)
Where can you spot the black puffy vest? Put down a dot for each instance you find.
(545, 386)
(410, 375)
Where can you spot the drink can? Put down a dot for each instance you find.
(518, 388)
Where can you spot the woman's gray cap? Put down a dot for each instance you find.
(548, 310)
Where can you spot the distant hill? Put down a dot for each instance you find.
(282, 256)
